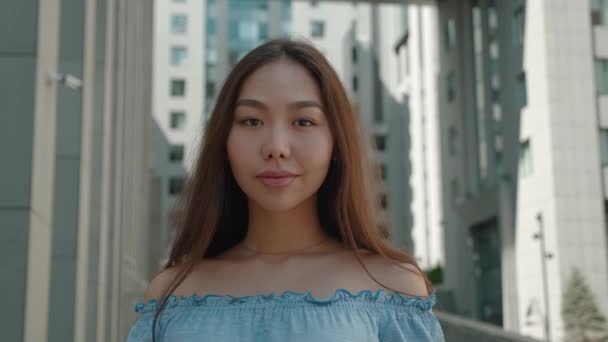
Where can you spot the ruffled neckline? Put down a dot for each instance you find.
(290, 297)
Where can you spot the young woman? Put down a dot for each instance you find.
(276, 236)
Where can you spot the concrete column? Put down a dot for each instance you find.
(40, 209)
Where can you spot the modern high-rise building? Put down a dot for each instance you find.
(524, 116)
(75, 176)
(387, 60)
(196, 45)
(177, 103)
(235, 27)
(416, 70)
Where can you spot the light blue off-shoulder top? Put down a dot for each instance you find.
(366, 316)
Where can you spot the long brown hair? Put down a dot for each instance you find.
(211, 214)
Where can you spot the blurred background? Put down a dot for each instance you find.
(488, 118)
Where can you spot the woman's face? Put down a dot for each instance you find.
(280, 144)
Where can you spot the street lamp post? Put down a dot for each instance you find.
(543, 264)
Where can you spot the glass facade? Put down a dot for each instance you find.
(488, 275)
(247, 25)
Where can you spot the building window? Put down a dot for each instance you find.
(210, 89)
(453, 140)
(354, 54)
(383, 171)
(176, 185)
(521, 91)
(599, 12)
(233, 57)
(286, 18)
(179, 23)
(525, 159)
(263, 30)
(601, 76)
(383, 228)
(451, 86)
(178, 120)
(176, 153)
(455, 191)
(604, 146)
(519, 23)
(493, 64)
(245, 30)
(492, 17)
(498, 156)
(179, 55)
(449, 34)
(380, 142)
(383, 201)
(355, 83)
(211, 56)
(211, 27)
(317, 28)
(178, 87)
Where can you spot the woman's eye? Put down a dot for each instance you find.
(251, 122)
(305, 122)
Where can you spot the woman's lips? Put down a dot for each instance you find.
(277, 181)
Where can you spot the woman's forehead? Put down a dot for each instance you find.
(280, 81)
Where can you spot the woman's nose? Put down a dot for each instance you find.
(276, 145)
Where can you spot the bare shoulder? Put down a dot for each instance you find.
(400, 276)
(160, 283)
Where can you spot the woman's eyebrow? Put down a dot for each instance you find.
(250, 103)
(293, 105)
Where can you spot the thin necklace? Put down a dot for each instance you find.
(290, 252)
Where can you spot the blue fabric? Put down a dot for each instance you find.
(365, 316)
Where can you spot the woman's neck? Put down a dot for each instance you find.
(284, 231)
